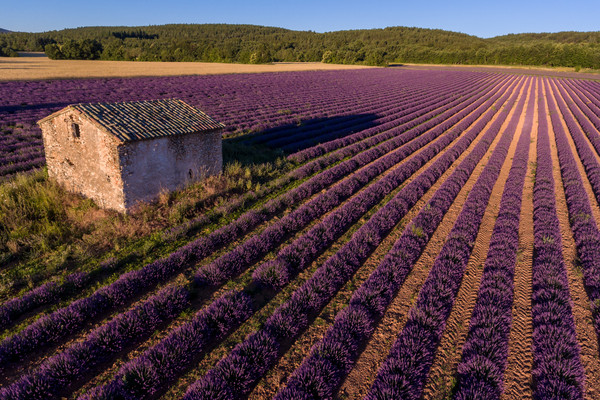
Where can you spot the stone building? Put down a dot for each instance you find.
(119, 154)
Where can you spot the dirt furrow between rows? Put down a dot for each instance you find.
(272, 303)
(293, 358)
(568, 100)
(517, 376)
(360, 379)
(582, 313)
(441, 377)
(35, 360)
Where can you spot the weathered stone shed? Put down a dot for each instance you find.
(119, 154)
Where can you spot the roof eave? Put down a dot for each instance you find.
(141, 139)
(55, 114)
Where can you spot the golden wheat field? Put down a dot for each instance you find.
(36, 67)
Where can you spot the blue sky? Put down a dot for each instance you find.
(481, 18)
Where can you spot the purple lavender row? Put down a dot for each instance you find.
(57, 375)
(313, 126)
(236, 374)
(276, 273)
(51, 328)
(22, 165)
(404, 372)
(128, 285)
(238, 259)
(44, 294)
(557, 370)
(251, 219)
(380, 106)
(48, 293)
(585, 120)
(352, 102)
(23, 155)
(333, 357)
(591, 89)
(323, 148)
(258, 119)
(20, 142)
(361, 141)
(150, 364)
(198, 90)
(590, 125)
(301, 139)
(583, 223)
(149, 373)
(591, 99)
(19, 153)
(211, 87)
(481, 369)
(402, 115)
(414, 111)
(586, 102)
(415, 93)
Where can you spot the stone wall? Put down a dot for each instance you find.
(83, 159)
(168, 163)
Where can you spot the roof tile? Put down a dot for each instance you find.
(138, 120)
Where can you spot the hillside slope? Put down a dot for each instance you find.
(258, 44)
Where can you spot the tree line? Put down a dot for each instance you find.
(258, 44)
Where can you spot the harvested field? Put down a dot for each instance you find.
(36, 68)
(436, 237)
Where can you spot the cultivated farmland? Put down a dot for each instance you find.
(436, 237)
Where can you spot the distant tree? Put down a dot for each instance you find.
(53, 51)
(90, 49)
(137, 34)
(41, 42)
(375, 57)
(71, 50)
(257, 44)
(86, 49)
(113, 50)
(327, 57)
(7, 52)
(261, 55)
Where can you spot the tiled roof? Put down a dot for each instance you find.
(138, 120)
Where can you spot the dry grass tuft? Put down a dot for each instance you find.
(39, 220)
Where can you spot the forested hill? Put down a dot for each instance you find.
(258, 44)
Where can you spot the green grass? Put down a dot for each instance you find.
(46, 232)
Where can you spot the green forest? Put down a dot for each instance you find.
(258, 44)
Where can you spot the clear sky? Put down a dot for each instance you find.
(481, 18)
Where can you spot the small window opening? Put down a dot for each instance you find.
(75, 130)
(190, 174)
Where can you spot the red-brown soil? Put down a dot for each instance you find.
(361, 377)
(441, 376)
(586, 334)
(517, 376)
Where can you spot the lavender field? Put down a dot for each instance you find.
(438, 239)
